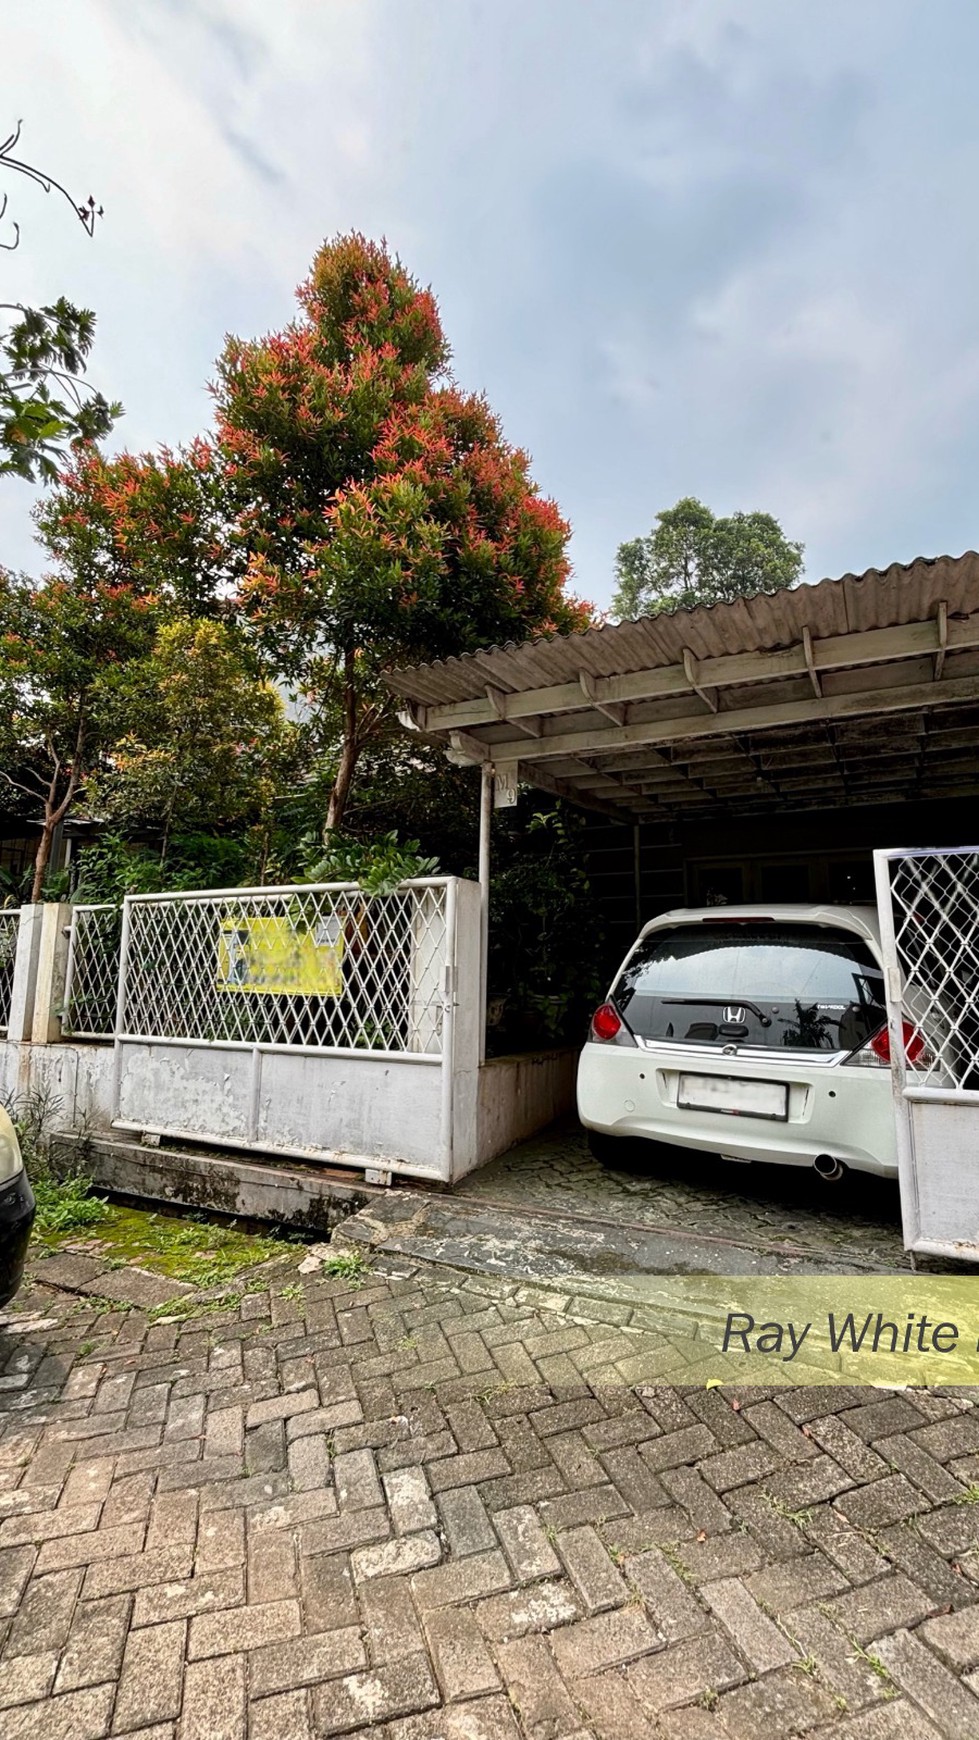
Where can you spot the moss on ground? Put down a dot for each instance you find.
(191, 1248)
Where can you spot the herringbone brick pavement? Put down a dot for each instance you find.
(401, 1509)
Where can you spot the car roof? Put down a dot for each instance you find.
(862, 920)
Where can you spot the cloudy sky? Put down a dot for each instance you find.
(685, 246)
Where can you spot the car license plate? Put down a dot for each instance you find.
(726, 1093)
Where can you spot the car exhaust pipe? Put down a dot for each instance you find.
(829, 1168)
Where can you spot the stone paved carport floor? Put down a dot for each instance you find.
(402, 1509)
(855, 1221)
(550, 1214)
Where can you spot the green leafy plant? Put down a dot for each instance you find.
(346, 1264)
(113, 866)
(377, 866)
(45, 404)
(65, 1205)
(545, 935)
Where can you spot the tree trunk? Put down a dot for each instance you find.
(55, 810)
(43, 857)
(349, 751)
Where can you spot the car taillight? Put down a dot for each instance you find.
(606, 1023)
(915, 1049)
(880, 1045)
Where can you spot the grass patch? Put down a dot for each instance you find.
(206, 1254)
(345, 1263)
(969, 1496)
(197, 1251)
(64, 1205)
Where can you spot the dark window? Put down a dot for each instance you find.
(785, 986)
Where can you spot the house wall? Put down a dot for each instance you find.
(520, 1095)
(805, 855)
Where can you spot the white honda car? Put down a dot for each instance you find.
(754, 1032)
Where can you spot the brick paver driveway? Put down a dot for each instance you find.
(401, 1510)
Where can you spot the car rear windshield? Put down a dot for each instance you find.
(799, 987)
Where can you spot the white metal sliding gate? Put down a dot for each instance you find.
(929, 913)
(307, 1020)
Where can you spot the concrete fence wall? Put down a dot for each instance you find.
(413, 1115)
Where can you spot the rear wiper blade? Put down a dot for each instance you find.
(718, 1003)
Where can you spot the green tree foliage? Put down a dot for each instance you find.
(202, 737)
(354, 509)
(546, 931)
(63, 646)
(692, 558)
(114, 865)
(133, 544)
(378, 866)
(46, 405)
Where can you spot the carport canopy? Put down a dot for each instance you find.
(850, 691)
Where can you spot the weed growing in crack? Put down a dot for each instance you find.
(875, 1665)
(807, 1664)
(802, 1519)
(671, 1553)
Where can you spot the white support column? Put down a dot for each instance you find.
(19, 1027)
(485, 819)
(52, 966)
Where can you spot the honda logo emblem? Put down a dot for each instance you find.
(734, 1013)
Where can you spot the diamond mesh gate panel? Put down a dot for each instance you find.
(9, 927)
(92, 980)
(935, 908)
(316, 967)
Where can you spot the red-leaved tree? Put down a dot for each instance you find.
(379, 513)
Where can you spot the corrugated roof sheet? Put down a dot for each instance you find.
(905, 592)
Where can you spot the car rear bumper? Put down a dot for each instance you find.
(16, 1220)
(845, 1113)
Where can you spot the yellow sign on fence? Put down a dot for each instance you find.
(269, 957)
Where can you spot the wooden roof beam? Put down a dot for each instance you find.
(616, 740)
(941, 621)
(809, 657)
(545, 781)
(690, 669)
(498, 699)
(614, 710)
